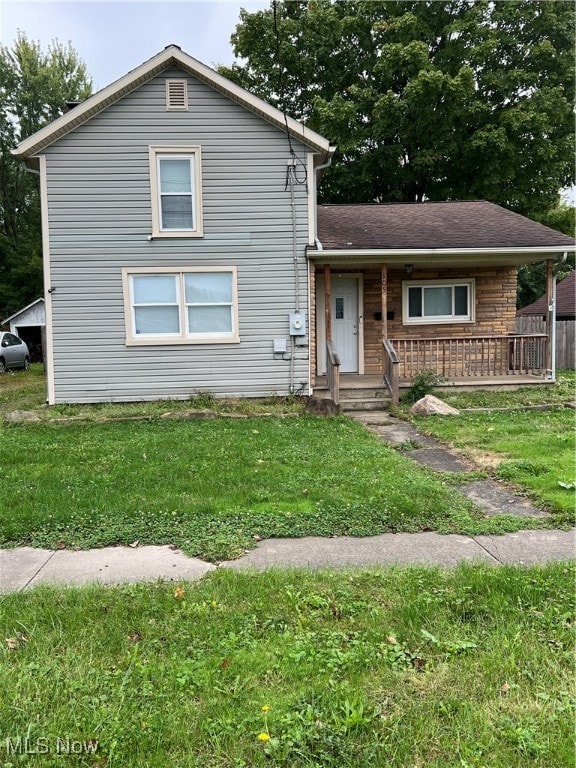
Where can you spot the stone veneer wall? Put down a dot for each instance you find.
(495, 307)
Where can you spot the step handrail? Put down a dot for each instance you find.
(391, 370)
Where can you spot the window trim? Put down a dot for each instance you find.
(132, 339)
(192, 153)
(470, 283)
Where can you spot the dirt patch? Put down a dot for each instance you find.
(484, 459)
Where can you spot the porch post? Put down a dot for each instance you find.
(550, 317)
(384, 283)
(327, 302)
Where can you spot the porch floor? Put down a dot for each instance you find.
(374, 381)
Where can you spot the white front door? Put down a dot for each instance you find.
(345, 321)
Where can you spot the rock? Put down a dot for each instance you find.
(17, 416)
(322, 406)
(198, 413)
(433, 406)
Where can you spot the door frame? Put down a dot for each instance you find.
(321, 319)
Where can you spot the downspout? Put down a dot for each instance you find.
(316, 169)
(291, 172)
(557, 269)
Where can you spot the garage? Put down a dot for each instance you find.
(29, 324)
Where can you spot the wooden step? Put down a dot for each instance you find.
(359, 399)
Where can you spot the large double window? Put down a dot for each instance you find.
(193, 305)
(175, 176)
(435, 301)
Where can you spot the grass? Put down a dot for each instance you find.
(364, 669)
(563, 391)
(23, 390)
(211, 487)
(214, 487)
(533, 449)
(27, 391)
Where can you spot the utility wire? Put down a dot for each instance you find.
(291, 171)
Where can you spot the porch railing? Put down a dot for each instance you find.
(472, 356)
(333, 371)
(391, 369)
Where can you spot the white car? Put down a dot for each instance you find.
(13, 352)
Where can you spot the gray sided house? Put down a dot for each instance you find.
(177, 209)
(184, 252)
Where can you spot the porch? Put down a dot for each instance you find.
(366, 350)
(355, 391)
(366, 391)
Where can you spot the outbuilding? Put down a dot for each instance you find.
(29, 324)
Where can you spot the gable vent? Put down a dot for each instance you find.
(176, 94)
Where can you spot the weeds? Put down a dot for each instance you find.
(423, 383)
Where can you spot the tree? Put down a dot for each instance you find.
(34, 88)
(460, 99)
(532, 277)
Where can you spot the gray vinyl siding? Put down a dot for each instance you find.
(99, 204)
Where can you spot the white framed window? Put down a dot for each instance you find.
(438, 301)
(176, 189)
(193, 305)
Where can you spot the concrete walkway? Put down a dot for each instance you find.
(493, 497)
(25, 567)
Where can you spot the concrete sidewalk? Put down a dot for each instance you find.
(25, 567)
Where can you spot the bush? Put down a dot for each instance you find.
(423, 383)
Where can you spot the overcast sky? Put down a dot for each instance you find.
(114, 37)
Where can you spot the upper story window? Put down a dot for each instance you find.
(436, 301)
(176, 187)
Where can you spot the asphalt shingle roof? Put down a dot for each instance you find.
(565, 300)
(468, 224)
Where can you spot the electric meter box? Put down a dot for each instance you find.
(297, 324)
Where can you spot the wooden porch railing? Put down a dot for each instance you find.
(333, 371)
(391, 369)
(473, 356)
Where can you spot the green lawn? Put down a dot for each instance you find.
(214, 487)
(27, 391)
(364, 669)
(563, 391)
(211, 487)
(532, 448)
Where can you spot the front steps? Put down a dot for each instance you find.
(358, 398)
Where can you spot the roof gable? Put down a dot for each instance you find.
(170, 56)
(23, 310)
